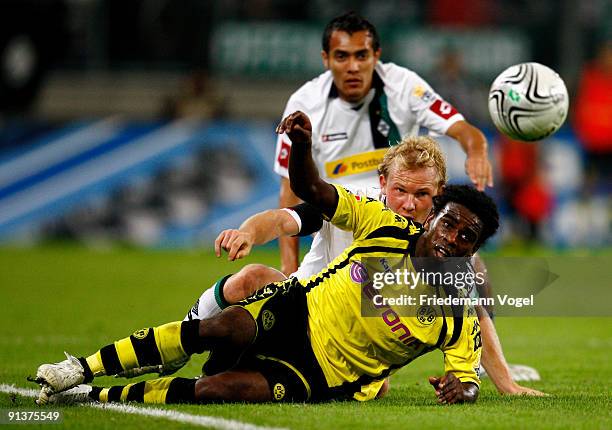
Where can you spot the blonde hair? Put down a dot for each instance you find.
(415, 152)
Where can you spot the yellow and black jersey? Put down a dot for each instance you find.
(357, 352)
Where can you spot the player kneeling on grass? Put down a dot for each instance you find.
(297, 340)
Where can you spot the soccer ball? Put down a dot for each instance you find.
(528, 102)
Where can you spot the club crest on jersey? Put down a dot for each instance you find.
(358, 272)
(267, 319)
(426, 315)
(279, 391)
(141, 334)
(383, 128)
(333, 137)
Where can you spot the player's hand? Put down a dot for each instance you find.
(448, 388)
(478, 168)
(519, 390)
(237, 243)
(297, 126)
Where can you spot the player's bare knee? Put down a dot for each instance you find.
(235, 326)
(248, 280)
(232, 386)
(212, 389)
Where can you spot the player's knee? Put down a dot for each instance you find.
(212, 389)
(229, 386)
(248, 280)
(234, 326)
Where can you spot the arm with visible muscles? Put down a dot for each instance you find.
(303, 173)
(256, 230)
(494, 362)
(474, 143)
(492, 358)
(300, 220)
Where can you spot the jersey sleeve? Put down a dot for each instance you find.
(362, 215)
(283, 143)
(368, 392)
(309, 218)
(463, 357)
(431, 110)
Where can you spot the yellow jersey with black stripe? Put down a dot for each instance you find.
(356, 352)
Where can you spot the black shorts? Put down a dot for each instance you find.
(282, 351)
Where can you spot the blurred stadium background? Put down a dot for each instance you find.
(151, 122)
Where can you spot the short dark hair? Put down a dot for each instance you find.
(350, 22)
(476, 201)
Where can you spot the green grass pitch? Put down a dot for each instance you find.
(60, 298)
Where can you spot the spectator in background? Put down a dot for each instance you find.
(593, 114)
(528, 197)
(451, 79)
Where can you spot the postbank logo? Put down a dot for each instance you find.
(355, 164)
(340, 169)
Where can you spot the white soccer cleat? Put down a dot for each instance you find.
(520, 372)
(74, 396)
(61, 376)
(43, 397)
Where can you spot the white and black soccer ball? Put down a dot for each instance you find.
(528, 102)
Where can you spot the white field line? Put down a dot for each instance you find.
(196, 420)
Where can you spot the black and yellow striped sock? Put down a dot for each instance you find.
(159, 391)
(147, 347)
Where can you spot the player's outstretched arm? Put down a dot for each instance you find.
(494, 362)
(303, 174)
(256, 230)
(449, 389)
(474, 143)
(289, 246)
(493, 359)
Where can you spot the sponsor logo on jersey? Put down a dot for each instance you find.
(358, 272)
(194, 309)
(423, 93)
(355, 164)
(267, 319)
(279, 391)
(333, 137)
(283, 155)
(340, 168)
(443, 109)
(390, 317)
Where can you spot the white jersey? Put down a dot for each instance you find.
(345, 146)
(330, 241)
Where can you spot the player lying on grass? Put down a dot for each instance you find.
(307, 340)
(410, 175)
